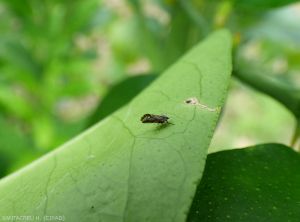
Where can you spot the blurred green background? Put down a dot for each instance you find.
(64, 65)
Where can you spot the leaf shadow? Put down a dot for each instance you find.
(163, 126)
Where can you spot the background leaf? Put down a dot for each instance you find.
(123, 170)
(10, 158)
(119, 95)
(254, 6)
(260, 183)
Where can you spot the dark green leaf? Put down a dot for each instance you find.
(259, 183)
(254, 6)
(119, 95)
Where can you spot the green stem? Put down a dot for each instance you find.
(195, 16)
(296, 135)
(290, 98)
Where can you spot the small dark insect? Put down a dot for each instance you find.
(151, 118)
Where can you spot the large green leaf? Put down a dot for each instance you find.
(124, 170)
(260, 183)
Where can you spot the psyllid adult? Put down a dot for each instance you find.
(152, 118)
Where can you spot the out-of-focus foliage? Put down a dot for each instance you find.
(42, 68)
(273, 45)
(13, 144)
